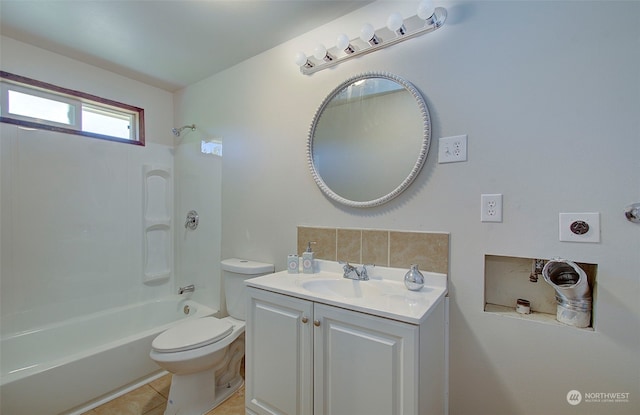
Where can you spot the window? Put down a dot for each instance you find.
(213, 147)
(36, 104)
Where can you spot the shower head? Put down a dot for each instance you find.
(177, 131)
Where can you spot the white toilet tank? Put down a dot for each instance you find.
(234, 272)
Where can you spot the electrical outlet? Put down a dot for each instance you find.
(491, 208)
(452, 149)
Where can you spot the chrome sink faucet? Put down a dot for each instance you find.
(187, 289)
(353, 273)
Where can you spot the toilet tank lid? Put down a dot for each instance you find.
(245, 266)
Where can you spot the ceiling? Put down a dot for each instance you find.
(165, 43)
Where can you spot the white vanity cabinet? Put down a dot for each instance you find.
(278, 354)
(305, 357)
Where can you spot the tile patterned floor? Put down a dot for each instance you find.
(151, 399)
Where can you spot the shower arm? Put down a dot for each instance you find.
(177, 131)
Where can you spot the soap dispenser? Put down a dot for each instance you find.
(307, 260)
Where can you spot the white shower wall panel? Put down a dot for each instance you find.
(71, 224)
(197, 187)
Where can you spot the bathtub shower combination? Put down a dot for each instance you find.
(62, 366)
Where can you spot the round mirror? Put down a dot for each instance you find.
(369, 139)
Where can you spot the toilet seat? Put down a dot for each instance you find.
(192, 335)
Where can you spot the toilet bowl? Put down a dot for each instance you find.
(204, 355)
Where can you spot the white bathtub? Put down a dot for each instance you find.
(62, 367)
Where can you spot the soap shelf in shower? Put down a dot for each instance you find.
(157, 224)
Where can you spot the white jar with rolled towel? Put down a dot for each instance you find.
(523, 306)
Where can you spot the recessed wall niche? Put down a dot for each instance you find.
(507, 279)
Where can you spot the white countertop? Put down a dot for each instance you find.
(383, 295)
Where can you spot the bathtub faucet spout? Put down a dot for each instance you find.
(188, 289)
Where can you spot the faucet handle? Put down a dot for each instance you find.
(346, 265)
(364, 273)
(349, 270)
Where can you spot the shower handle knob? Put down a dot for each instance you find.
(192, 220)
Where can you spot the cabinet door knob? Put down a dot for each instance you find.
(316, 323)
(305, 319)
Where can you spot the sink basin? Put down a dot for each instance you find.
(344, 288)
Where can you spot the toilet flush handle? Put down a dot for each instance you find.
(632, 213)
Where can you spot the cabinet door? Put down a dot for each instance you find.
(364, 365)
(279, 351)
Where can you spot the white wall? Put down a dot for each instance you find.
(72, 206)
(549, 95)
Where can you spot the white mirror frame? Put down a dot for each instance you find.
(421, 157)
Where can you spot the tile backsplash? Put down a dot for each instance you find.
(398, 249)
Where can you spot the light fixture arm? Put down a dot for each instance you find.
(413, 26)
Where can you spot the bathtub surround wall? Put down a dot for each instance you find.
(72, 207)
(74, 197)
(524, 81)
(430, 250)
(197, 182)
(73, 237)
(73, 218)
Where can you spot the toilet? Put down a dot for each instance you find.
(204, 355)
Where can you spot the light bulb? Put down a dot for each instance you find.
(395, 23)
(343, 43)
(301, 59)
(425, 9)
(368, 34)
(320, 51)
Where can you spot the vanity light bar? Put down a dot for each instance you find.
(372, 40)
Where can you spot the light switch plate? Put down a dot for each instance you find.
(580, 227)
(452, 149)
